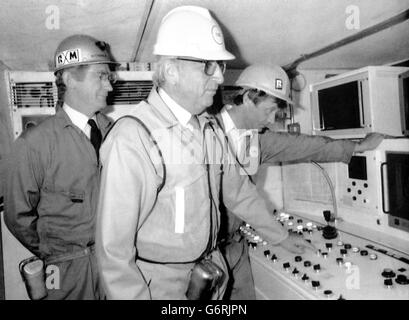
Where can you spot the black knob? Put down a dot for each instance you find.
(388, 273)
(317, 267)
(324, 254)
(328, 245)
(402, 279)
(388, 282)
(329, 232)
(343, 251)
(274, 258)
(307, 264)
(295, 271)
(340, 261)
(267, 253)
(290, 217)
(328, 293)
(315, 284)
(347, 246)
(364, 252)
(305, 277)
(299, 220)
(286, 265)
(298, 258)
(253, 245)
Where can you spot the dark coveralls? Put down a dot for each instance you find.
(50, 202)
(274, 147)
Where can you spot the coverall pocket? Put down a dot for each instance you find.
(58, 200)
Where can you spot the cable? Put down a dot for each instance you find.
(331, 187)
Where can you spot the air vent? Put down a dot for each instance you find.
(129, 92)
(33, 94)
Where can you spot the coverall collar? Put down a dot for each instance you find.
(65, 121)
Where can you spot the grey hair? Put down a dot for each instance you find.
(158, 77)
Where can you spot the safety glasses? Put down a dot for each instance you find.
(107, 76)
(209, 65)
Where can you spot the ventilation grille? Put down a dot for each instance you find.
(33, 94)
(129, 92)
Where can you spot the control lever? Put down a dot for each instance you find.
(329, 231)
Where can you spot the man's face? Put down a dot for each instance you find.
(263, 112)
(196, 89)
(92, 90)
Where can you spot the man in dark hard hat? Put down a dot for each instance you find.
(53, 173)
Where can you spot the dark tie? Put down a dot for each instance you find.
(96, 137)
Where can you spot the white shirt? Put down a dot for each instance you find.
(181, 114)
(237, 137)
(79, 119)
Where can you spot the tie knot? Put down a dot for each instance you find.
(92, 124)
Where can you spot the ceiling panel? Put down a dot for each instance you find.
(256, 31)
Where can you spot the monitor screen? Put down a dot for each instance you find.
(339, 106)
(398, 184)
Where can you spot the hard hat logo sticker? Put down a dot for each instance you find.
(68, 57)
(217, 35)
(279, 84)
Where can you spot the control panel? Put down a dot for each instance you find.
(344, 266)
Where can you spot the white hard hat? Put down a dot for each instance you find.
(190, 31)
(272, 80)
(80, 49)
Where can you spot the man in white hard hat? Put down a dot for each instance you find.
(54, 170)
(163, 172)
(266, 90)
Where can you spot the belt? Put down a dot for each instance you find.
(70, 256)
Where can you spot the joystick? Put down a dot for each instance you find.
(329, 231)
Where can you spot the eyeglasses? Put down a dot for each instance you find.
(107, 76)
(210, 65)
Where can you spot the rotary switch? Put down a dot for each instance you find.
(295, 272)
(286, 265)
(388, 273)
(267, 253)
(364, 252)
(402, 279)
(328, 293)
(315, 284)
(388, 283)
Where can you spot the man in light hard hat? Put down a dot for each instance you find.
(266, 90)
(163, 171)
(54, 171)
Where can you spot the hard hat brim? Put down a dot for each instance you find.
(85, 63)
